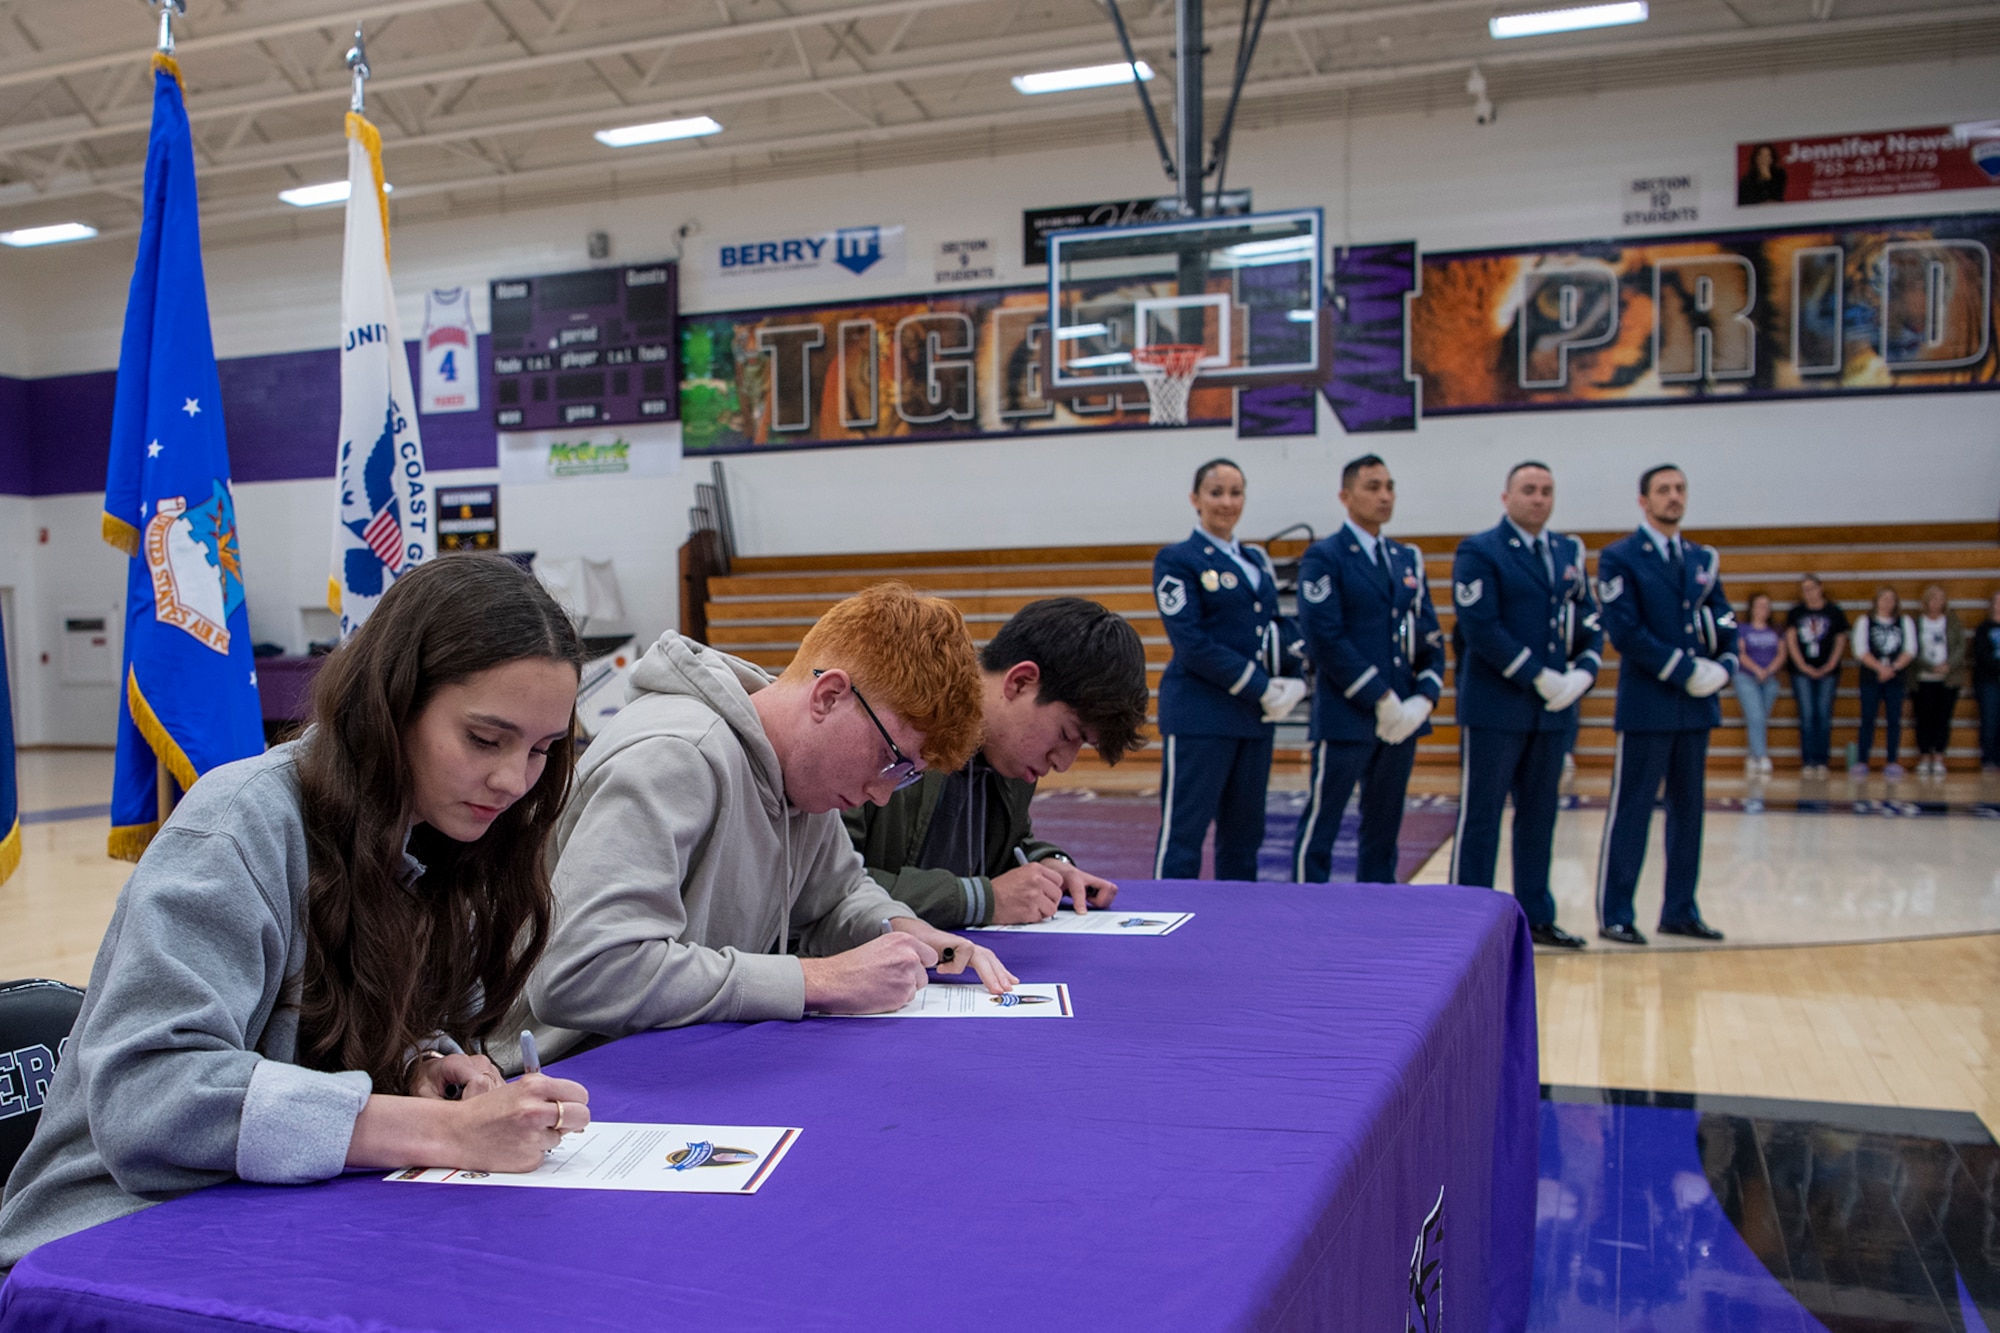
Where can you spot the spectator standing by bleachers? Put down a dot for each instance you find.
(1816, 640)
(1761, 651)
(1940, 676)
(1885, 643)
(1986, 685)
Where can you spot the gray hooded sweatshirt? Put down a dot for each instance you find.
(681, 872)
(179, 1071)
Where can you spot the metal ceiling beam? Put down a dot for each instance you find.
(646, 166)
(194, 45)
(514, 64)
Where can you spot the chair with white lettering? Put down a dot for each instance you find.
(35, 1022)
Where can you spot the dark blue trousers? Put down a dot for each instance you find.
(1528, 765)
(1646, 760)
(1216, 780)
(1384, 774)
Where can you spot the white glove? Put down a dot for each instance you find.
(1409, 717)
(1575, 683)
(1708, 677)
(1548, 683)
(1280, 696)
(1388, 716)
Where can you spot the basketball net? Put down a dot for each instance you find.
(1169, 370)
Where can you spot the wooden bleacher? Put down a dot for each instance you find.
(762, 608)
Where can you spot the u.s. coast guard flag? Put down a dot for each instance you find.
(189, 700)
(382, 522)
(10, 789)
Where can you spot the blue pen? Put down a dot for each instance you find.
(531, 1059)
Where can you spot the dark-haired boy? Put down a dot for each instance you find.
(959, 847)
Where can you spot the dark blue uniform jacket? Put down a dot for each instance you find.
(1513, 622)
(1364, 637)
(1659, 624)
(1229, 639)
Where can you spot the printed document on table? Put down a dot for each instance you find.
(965, 1000)
(1106, 922)
(664, 1159)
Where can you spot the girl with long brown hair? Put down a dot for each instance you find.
(316, 934)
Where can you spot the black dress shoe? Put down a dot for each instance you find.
(1697, 929)
(1621, 934)
(1555, 937)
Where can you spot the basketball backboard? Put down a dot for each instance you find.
(1246, 288)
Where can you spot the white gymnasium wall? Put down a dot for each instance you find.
(1545, 171)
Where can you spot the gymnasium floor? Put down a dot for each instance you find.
(1789, 1132)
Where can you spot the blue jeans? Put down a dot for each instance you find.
(1815, 701)
(1886, 695)
(1757, 698)
(1989, 721)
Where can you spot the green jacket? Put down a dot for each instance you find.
(891, 837)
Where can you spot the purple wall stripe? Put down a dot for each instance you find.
(282, 414)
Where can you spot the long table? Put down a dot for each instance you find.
(1302, 1107)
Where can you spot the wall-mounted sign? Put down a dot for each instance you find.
(1037, 223)
(841, 255)
(1660, 199)
(468, 518)
(1802, 312)
(963, 263)
(1852, 166)
(539, 457)
(949, 365)
(586, 349)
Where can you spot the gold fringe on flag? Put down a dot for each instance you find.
(10, 851)
(360, 130)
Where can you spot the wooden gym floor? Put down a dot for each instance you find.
(1913, 1023)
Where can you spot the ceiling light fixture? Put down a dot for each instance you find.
(328, 192)
(1088, 76)
(52, 235)
(659, 131)
(1567, 20)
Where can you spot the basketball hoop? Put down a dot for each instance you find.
(1169, 370)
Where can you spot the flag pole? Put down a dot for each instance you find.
(169, 8)
(357, 62)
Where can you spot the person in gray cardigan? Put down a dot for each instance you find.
(701, 873)
(313, 929)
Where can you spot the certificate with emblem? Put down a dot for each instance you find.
(946, 999)
(662, 1159)
(1103, 922)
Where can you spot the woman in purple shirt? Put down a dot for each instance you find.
(1760, 651)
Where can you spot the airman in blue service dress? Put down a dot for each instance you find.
(1529, 645)
(1665, 612)
(1219, 602)
(1371, 633)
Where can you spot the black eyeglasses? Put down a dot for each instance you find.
(901, 770)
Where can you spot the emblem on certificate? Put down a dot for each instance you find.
(1210, 580)
(707, 1154)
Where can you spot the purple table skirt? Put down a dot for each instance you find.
(1244, 1127)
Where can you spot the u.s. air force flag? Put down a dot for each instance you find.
(189, 700)
(382, 523)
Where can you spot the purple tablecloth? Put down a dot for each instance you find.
(1245, 1127)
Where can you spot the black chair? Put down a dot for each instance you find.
(35, 1022)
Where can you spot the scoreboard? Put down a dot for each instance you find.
(591, 348)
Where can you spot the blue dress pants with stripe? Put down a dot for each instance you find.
(1217, 780)
(1527, 765)
(1384, 774)
(1646, 760)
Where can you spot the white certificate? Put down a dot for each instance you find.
(663, 1159)
(1105, 922)
(965, 1000)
